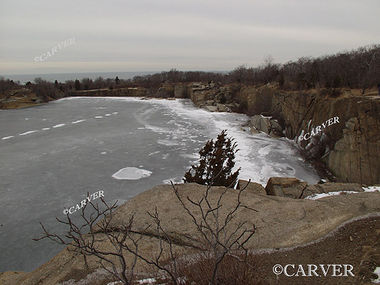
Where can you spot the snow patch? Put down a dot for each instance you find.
(98, 117)
(142, 281)
(7, 138)
(147, 281)
(27, 133)
(58, 126)
(371, 189)
(77, 122)
(324, 195)
(377, 280)
(131, 173)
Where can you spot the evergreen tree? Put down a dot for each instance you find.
(216, 163)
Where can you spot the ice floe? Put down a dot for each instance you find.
(131, 173)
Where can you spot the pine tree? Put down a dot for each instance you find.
(216, 163)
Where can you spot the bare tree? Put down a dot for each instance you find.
(85, 239)
(217, 236)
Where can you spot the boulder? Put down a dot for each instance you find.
(222, 108)
(260, 123)
(211, 108)
(267, 125)
(285, 187)
(252, 187)
(275, 129)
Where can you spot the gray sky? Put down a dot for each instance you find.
(155, 35)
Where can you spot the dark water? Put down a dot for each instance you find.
(52, 155)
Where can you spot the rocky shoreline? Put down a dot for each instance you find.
(347, 151)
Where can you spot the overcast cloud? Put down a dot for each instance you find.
(155, 35)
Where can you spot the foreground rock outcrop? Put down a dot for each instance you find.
(280, 222)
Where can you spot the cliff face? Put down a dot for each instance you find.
(350, 147)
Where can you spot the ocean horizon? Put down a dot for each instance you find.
(62, 77)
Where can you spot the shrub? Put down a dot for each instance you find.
(216, 163)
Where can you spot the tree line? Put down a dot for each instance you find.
(359, 68)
